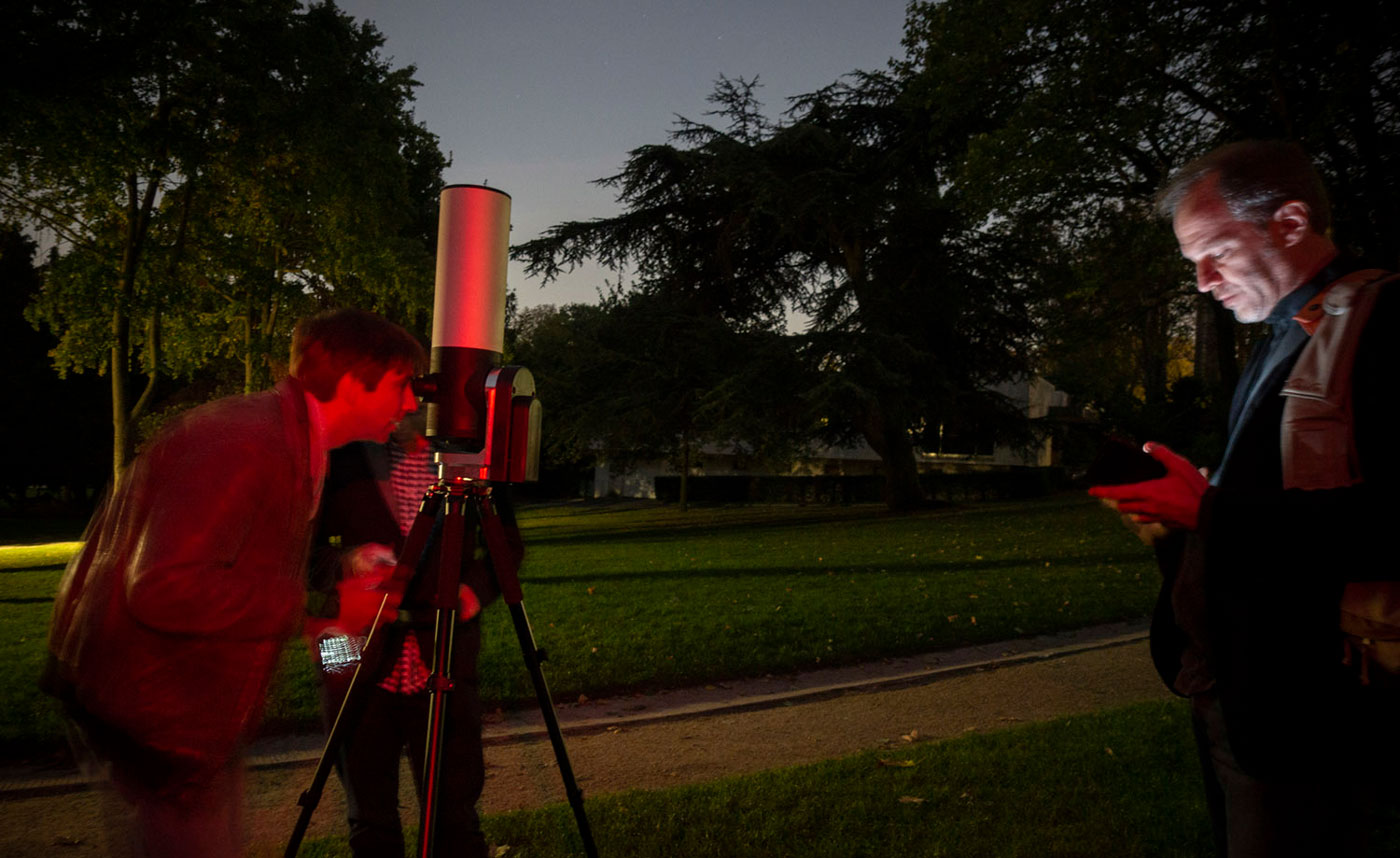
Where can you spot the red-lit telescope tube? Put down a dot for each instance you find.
(469, 309)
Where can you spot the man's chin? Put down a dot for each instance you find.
(380, 436)
(1242, 311)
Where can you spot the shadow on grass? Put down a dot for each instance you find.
(740, 520)
(570, 534)
(28, 531)
(904, 569)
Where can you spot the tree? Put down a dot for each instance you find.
(644, 376)
(206, 171)
(838, 210)
(1075, 112)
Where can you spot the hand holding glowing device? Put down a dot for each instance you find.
(1173, 499)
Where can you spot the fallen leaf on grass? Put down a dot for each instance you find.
(499, 851)
(911, 799)
(1108, 751)
(900, 764)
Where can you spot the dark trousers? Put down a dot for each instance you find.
(1257, 817)
(155, 806)
(368, 762)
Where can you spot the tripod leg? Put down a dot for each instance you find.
(504, 549)
(344, 720)
(551, 723)
(455, 544)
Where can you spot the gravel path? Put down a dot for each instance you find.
(679, 737)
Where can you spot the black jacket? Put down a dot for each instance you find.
(1272, 565)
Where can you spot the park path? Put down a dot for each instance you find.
(677, 737)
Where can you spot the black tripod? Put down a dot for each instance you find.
(465, 505)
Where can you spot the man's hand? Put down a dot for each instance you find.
(370, 559)
(468, 605)
(1147, 532)
(1173, 500)
(365, 603)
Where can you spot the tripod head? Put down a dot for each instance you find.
(510, 452)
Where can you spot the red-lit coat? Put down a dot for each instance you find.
(169, 623)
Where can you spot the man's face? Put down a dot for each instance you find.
(1238, 262)
(378, 411)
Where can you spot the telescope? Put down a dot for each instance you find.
(482, 417)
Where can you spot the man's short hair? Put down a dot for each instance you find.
(1256, 177)
(328, 345)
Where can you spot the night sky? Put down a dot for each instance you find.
(540, 97)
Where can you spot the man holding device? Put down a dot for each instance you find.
(372, 496)
(1256, 558)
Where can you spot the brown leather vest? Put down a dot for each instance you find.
(1319, 447)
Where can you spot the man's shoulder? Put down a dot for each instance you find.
(1357, 305)
(1379, 297)
(244, 423)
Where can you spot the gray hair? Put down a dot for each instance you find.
(1256, 177)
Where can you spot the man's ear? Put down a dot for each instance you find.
(1291, 223)
(348, 387)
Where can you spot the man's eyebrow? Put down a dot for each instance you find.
(1206, 244)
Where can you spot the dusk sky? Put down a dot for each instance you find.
(540, 97)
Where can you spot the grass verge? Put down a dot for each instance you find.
(1121, 783)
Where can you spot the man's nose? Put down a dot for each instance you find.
(1207, 275)
(409, 404)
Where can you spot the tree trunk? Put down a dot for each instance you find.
(138, 220)
(685, 475)
(1154, 357)
(902, 489)
(248, 327)
(889, 438)
(1216, 365)
(885, 426)
(121, 424)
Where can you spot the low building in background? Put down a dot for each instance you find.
(1037, 398)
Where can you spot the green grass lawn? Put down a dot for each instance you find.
(639, 597)
(656, 597)
(1122, 783)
